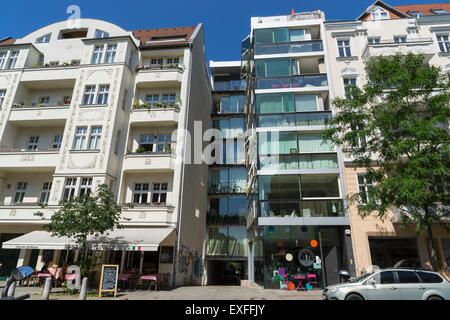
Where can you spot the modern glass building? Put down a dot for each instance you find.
(227, 248)
(297, 218)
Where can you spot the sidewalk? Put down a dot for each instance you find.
(184, 293)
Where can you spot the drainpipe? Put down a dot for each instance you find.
(181, 188)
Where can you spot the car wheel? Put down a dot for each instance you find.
(354, 296)
(435, 298)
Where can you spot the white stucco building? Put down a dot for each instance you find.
(98, 104)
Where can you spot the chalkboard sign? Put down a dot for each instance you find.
(108, 279)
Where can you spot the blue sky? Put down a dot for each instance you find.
(226, 22)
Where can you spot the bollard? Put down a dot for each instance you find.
(12, 289)
(47, 288)
(83, 290)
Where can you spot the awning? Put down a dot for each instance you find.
(120, 239)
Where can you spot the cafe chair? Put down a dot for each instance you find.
(312, 279)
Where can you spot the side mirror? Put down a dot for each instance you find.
(21, 273)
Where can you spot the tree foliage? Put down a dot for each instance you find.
(396, 127)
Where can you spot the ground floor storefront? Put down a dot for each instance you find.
(137, 252)
(308, 256)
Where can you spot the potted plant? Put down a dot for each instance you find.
(140, 150)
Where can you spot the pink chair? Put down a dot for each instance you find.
(312, 279)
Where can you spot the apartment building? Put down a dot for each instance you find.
(227, 248)
(296, 191)
(90, 104)
(384, 30)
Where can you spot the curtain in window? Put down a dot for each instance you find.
(320, 161)
(271, 35)
(218, 241)
(297, 35)
(287, 142)
(313, 142)
(305, 102)
(237, 241)
(273, 67)
(274, 103)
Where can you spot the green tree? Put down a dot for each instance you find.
(396, 127)
(85, 216)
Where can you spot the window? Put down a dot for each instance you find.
(173, 60)
(166, 255)
(443, 42)
(373, 40)
(12, 60)
(159, 194)
(320, 186)
(169, 99)
(407, 277)
(156, 61)
(98, 54)
(273, 67)
(379, 14)
(45, 194)
(103, 94)
(117, 143)
(428, 277)
(147, 142)
(33, 143)
(44, 100)
(344, 48)
(416, 13)
(94, 140)
(69, 189)
(20, 192)
(2, 59)
(152, 99)
(80, 138)
(274, 35)
(164, 143)
(89, 95)
(385, 277)
(67, 100)
(44, 39)
(2, 96)
(365, 186)
(439, 11)
(347, 83)
(85, 187)
(101, 34)
(111, 53)
(57, 140)
(140, 194)
(399, 39)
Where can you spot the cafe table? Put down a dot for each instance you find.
(157, 278)
(126, 277)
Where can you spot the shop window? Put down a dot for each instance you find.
(166, 255)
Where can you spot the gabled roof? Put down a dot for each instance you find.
(164, 37)
(394, 13)
(424, 8)
(7, 40)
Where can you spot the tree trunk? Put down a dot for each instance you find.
(435, 257)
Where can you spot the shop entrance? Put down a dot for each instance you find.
(387, 251)
(226, 273)
(8, 257)
(331, 253)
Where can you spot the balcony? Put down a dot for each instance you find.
(390, 48)
(303, 119)
(22, 112)
(146, 114)
(13, 213)
(325, 162)
(148, 76)
(148, 214)
(300, 47)
(310, 81)
(237, 187)
(149, 162)
(22, 159)
(302, 209)
(51, 73)
(231, 85)
(215, 218)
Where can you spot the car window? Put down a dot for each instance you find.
(428, 277)
(408, 277)
(384, 277)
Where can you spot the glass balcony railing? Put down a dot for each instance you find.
(227, 187)
(315, 80)
(298, 161)
(304, 209)
(231, 85)
(293, 47)
(215, 217)
(294, 119)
